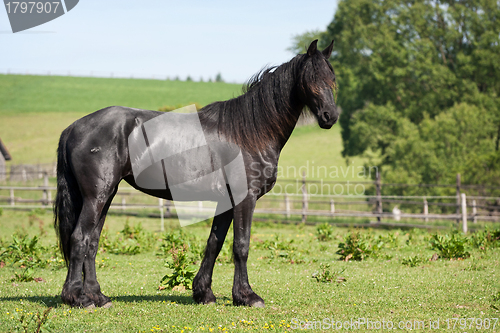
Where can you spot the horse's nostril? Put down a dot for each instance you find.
(326, 116)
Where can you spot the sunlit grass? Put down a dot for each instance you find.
(375, 288)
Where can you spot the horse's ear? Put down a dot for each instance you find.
(328, 51)
(312, 48)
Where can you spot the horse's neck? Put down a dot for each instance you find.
(293, 113)
(289, 113)
(280, 144)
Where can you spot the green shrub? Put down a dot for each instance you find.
(1, 211)
(118, 245)
(276, 244)
(129, 241)
(486, 239)
(358, 247)
(182, 270)
(391, 240)
(325, 275)
(177, 239)
(26, 275)
(450, 247)
(412, 261)
(324, 232)
(24, 252)
(145, 239)
(284, 250)
(170, 240)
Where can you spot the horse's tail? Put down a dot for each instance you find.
(68, 203)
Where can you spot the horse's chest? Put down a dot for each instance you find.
(263, 172)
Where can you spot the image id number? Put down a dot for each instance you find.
(31, 7)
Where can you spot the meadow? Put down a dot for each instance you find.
(34, 110)
(300, 270)
(295, 268)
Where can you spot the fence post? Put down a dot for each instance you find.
(45, 195)
(379, 197)
(304, 197)
(458, 197)
(162, 223)
(287, 206)
(474, 212)
(332, 207)
(464, 213)
(12, 198)
(426, 210)
(124, 204)
(167, 208)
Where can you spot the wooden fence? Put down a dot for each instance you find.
(27, 172)
(303, 205)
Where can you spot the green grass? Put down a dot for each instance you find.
(35, 109)
(378, 289)
(318, 152)
(33, 137)
(36, 94)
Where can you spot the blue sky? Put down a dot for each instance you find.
(163, 38)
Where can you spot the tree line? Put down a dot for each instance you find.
(419, 85)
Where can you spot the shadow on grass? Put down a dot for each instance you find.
(55, 301)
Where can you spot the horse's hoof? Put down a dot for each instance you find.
(258, 304)
(90, 307)
(107, 305)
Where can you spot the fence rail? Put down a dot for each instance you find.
(27, 172)
(130, 201)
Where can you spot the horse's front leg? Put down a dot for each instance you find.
(202, 284)
(242, 292)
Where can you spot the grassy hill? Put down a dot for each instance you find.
(35, 109)
(34, 94)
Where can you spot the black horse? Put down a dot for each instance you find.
(93, 157)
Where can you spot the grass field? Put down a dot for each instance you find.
(379, 289)
(20, 94)
(283, 258)
(35, 109)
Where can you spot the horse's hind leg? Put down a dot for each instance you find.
(84, 241)
(202, 292)
(91, 287)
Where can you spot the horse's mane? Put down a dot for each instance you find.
(265, 111)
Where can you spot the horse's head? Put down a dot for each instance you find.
(318, 85)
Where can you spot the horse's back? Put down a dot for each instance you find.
(97, 143)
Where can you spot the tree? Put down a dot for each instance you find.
(218, 78)
(302, 41)
(409, 74)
